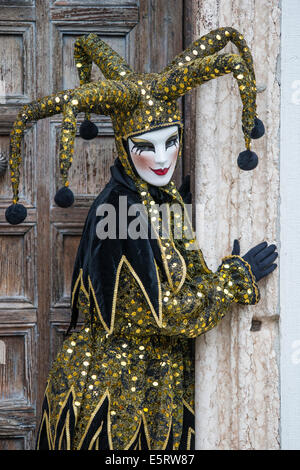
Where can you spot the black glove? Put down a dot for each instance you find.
(260, 258)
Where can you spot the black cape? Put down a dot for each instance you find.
(98, 259)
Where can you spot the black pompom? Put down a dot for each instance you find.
(64, 197)
(88, 130)
(258, 129)
(15, 214)
(247, 160)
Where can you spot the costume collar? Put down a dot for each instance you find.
(119, 174)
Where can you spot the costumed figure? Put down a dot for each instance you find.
(126, 379)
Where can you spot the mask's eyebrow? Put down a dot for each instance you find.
(173, 135)
(138, 141)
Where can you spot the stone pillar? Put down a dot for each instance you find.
(237, 383)
(290, 227)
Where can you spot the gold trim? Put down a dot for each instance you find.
(170, 280)
(95, 437)
(250, 271)
(68, 431)
(165, 262)
(113, 308)
(183, 264)
(183, 268)
(199, 251)
(48, 418)
(186, 217)
(143, 418)
(107, 329)
(50, 410)
(160, 306)
(134, 436)
(125, 261)
(62, 434)
(168, 435)
(157, 319)
(79, 278)
(75, 287)
(71, 391)
(188, 406)
(146, 430)
(100, 403)
(190, 432)
(48, 431)
(83, 286)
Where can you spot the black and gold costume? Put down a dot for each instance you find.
(126, 380)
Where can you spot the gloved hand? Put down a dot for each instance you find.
(260, 258)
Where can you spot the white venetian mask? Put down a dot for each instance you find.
(154, 154)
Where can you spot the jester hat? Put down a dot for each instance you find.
(136, 103)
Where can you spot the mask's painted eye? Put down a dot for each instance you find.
(143, 147)
(172, 141)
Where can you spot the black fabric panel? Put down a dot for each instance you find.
(188, 422)
(42, 442)
(99, 259)
(169, 445)
(99, 418)
(140, 442)
(60, 425)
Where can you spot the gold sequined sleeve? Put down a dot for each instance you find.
(202, 302)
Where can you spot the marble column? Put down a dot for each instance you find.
(237, 379)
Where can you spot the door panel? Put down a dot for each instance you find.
(37, 256)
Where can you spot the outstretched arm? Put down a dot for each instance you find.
(203, 301)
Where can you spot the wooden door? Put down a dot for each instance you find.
(37, 256)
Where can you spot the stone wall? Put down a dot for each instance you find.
(237, 363)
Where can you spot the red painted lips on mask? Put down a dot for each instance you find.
(161, 171)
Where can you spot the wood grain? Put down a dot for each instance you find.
(98, 15)
(37, 256)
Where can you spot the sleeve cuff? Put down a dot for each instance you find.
(246, 289)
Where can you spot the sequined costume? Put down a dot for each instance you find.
(126, 380)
